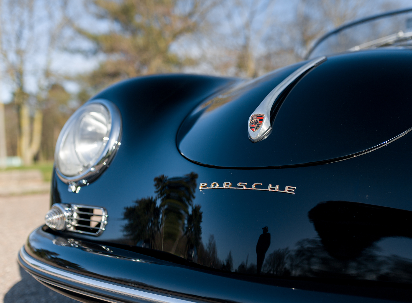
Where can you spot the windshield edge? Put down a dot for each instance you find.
(347, 25)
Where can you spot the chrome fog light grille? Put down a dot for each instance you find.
(87, 219)
(83, 219)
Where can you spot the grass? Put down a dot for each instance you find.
(46, 169)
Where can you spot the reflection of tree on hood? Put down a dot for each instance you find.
(228, 265)
(312, 259)
(168, 216)
(276, 263)
(193, 229)
(210, 257)
(143, 221)
(176, 196)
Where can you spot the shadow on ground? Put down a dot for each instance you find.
(28, 290)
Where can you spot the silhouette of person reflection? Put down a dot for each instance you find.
(261, 247)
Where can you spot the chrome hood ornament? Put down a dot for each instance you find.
(259, 125)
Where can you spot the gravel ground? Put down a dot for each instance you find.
(19, 182)
(18, 217)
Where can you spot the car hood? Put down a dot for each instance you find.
(344, 223)
(330, 114)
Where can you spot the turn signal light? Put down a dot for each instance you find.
(56, 217)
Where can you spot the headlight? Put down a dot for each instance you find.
(88, 142)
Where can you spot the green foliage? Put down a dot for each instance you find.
(56, 111)
(141, 35)
(46, 168)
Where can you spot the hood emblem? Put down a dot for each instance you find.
(259, 129)
(243, 186)
(256, 121)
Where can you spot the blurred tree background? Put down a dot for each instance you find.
(55, 55)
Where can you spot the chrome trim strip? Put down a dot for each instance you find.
(95, 283)
(267, 104)
(353, 23)
(88, 213)
(86, 220)
(383, 41)
(84, 226)
(76, 291)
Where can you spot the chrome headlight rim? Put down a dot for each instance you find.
(105, 157)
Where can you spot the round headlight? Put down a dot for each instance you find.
(88, 141)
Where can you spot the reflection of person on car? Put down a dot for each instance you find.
(261, 247)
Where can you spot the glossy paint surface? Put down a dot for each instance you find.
(345, 105)
(174, 280)
(347, 224)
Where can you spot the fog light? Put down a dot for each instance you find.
(56, 217)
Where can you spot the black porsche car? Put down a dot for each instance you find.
(291, 187)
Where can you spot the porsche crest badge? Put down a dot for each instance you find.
(256, 121)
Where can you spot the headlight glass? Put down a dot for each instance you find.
(88, 140)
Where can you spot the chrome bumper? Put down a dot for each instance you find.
(88, 271)
(41, 272)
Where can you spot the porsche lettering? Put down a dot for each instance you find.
(243, 186)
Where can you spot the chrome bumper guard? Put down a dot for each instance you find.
(80, 283)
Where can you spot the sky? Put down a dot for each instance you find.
(71, 63)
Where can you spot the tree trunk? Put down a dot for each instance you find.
(176, 243)
(28, 149)
(24, 134)
(3, 151)
(36, 133)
